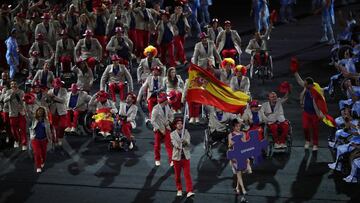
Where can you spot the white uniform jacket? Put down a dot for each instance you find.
(110, 77)
(57, 103)
(220, 41)
(201, 56)
(161, 120)
(276, 115)
(130, 113)
(178, 146)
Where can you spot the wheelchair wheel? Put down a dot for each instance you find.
(87, 123)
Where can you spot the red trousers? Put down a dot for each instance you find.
(194, 109)
(185, 165)
(59, 123)
(168, 50)
(177, 105)
(126, 129)
(72, 118)
(104, 125)
(117, 86)
(39, 148)
(179, 42)
(132, 36)
(91, 61)
(142, 41)
(18, 129)
(6, 122)
(228, 53)
(152, 101)
(65, 61)
(103, 42)
(274, 128)
(157, 144)
(311, 121)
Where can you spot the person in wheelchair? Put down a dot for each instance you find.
(354, 160)
(258, 49)
(64, 53)
(76, 103)
(116, 75)
(89, 49)
(228, 43)
(127, 114)
(120, 44)
(105, 109)
(218, 124)
(254, 117)
(84, 74)
(275, 119)
(240, 82)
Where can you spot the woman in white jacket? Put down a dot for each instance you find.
(40, 133)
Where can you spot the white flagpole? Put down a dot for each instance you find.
(184, 120)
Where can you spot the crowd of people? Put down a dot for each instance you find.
(104, 42)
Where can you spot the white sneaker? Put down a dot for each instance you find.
(192, 120)
(38, 170)
(332, 165)
(350, 179)
(24, 148)
(190, 194)
(179, 111)
(179, 193)
(131, 146)
(157, 163)
(197, 120)
(324, 39)
(315, 148)
(277, 146)
(307, 144)
(107, 134)
(67, 129)
(102, 133)
(16, 144)
(72, 129)
(331, 42)
(171, 164)
(283, 145)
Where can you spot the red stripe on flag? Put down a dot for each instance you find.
(204, 97)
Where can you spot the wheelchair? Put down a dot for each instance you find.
(262, 66)
(119, 141)
(66, 74)
(212, 139)
(268, 135)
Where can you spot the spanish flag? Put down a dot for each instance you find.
(103, 119)
(204, 88)
(319, 99)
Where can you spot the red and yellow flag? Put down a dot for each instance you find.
(319, 99)
(204, 88)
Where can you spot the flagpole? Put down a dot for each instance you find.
(184, 120)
